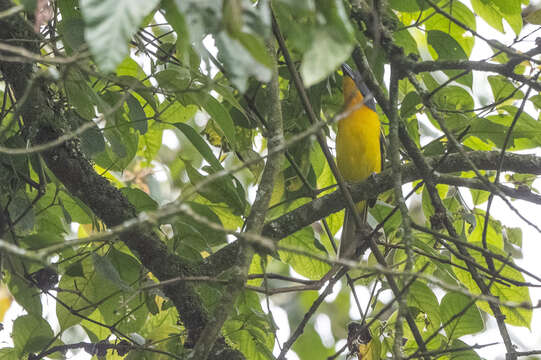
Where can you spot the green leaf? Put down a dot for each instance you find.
(218, 113)
(410, 105)
(461, 13)
(175, 112)
(311, 346)
(196, 235)
(110, 24)
(403, 38)
(249, 329)
(119, 304)
(79, 211)
(256, 47)
(488, 13)
(421, 297)
(174, 78)
(453, 98)
(381, 210)
(493, 129)
(20, 208)
(31, 333)
(409, 5)
(457, 354)
(303, 240)
(105, 268)
(503, 291)
(231, 189)
(92, 141)
(503, 89)
(513, 235)
(493, 232)
(141, 200)
(8, 353)
(138, 118)
(447, 48)
(24, 293)
(324, 56)
(238, 62)
(73, 33)
(479, 196)
(467, 321)
(72, 297)
(493, 11)
(511, 11)
(200, 145)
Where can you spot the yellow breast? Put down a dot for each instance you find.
(357, 144)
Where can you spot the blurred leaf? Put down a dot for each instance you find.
(8, 353)
(239, 63)
(106, 269)
(174, 78)
(409, 5)
(24, 293)
(73, 297)
(138, 118)
(460, 13)
(458, 354)
(20, 208)
(114, 295)
(31, 333)
(324, 56)
(139, 199)
(447, 48)
(109, 26)
(199, 236)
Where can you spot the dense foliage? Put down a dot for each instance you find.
(168, 188)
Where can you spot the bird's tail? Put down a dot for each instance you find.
(351, 238)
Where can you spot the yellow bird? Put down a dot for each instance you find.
(358, 153)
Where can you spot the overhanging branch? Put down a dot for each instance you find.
(309, 213)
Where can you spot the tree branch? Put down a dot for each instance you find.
(305, 215)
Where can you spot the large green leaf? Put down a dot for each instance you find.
(422, 297)
(303, 240)
(73, 301)
(446, 47)
(110, 24)
(31, 333)
(467, 318)
(517, 316)
(331, 45)
(494, 11)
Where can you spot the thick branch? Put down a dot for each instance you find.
(307, 214)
